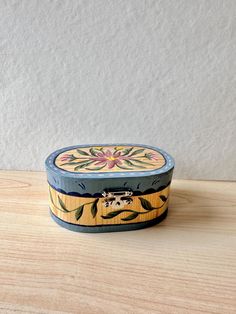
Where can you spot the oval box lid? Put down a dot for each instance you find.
(86, 170)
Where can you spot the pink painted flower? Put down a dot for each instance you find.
(67, 157)
(112, 159)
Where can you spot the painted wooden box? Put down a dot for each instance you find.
(101, 188)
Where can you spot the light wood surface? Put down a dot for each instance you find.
(186, 264)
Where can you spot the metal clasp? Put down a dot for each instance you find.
(117, 198)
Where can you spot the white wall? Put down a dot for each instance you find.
(153, 72)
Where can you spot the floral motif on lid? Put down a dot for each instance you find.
(110, 159)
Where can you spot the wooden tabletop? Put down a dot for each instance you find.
(186, 264)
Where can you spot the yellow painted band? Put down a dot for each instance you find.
(91, 211)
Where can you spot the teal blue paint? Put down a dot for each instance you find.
(87, 184)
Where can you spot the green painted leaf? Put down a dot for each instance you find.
(148, 156)
(127, 151)
(94, 208)
(76, 162)
(68, 163)
(136, 152)
(163, 198)
(93, 151)
(85, 161)
(79, 212)
(142, 162)
(113, 214)
(145, 204)
(121, 167)
(80, 167)
(96, 168)
(129, 163)
(62, 204)
(83, 165)
(81, 152)
(131, 216)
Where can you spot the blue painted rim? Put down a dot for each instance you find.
(50, 164)
(109, 228)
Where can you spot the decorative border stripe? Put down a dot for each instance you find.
(99, 195)
(96, 211)
(110, 227)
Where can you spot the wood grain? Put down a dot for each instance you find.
(184, 265)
